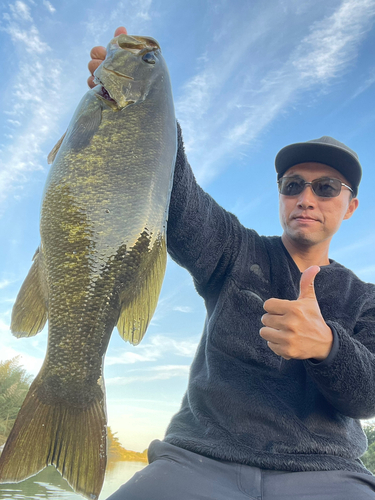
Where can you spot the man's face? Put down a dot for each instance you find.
(307, 219)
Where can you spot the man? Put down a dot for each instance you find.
(286, 365)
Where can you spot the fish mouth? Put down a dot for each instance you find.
(103, 92)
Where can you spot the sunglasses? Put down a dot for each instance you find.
(325, 187)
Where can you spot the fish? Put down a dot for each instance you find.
(100, 263)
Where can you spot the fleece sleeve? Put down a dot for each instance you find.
(201, 235)
(347, 378)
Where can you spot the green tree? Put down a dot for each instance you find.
(116, 452)
(14, 384)
(115, 449)
(369, 457)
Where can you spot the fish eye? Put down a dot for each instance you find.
(149, 58)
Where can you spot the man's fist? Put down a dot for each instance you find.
(97, 55)
(295, 329)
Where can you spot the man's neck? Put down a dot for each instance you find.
(307, 255)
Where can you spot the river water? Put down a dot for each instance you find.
(48, 484)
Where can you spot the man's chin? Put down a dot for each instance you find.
(303, 239)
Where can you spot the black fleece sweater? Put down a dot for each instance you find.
(244, 403)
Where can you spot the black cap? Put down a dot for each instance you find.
(324, 150)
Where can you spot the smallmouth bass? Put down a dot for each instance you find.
(100, 263)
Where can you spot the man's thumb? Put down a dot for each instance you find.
(306, 286)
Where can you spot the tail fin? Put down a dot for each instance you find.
(73, 440)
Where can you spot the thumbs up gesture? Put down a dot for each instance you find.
(295, 329)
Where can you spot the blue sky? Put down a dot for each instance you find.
(248, 78)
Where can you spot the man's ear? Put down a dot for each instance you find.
(353, 205)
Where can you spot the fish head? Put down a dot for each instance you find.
(131, 66)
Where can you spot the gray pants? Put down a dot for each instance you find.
(177, 474)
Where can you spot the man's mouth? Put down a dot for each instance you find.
(301, 218)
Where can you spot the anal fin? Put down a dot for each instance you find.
(136, 313)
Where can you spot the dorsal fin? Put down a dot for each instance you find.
(56, 147)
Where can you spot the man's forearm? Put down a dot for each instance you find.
(199, 230)
(347, 377)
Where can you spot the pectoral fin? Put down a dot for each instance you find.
(137, 312)
(30, 312)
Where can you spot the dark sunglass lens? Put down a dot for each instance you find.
(327, 188)
(291, 186)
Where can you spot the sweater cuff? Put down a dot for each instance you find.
(331, 356)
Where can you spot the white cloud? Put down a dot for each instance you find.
(167, 301)
(34, 103)
(215, 120)
(136, 11)
(20, 11)
(369, 82)
(154, 350)
(145, 354)
(332, 42)
(4, 283)
(163, 372)
(184, 348)
(49, 6)
(29, 38)
(14, 122)
(144, 9)
(183, 309)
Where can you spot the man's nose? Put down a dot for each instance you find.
(307, 199)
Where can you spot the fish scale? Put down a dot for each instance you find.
(100, 264)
